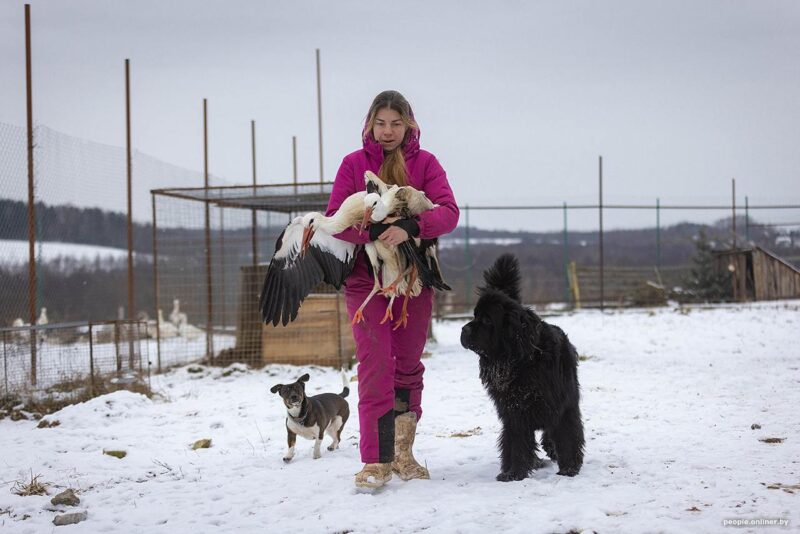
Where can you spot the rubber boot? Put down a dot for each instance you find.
(404, 464)
(374, 476)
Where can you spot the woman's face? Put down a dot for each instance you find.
(389, 129)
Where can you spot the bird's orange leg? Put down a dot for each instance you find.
(358, 316)
(392, 288)
(388, 315)
(412, 279)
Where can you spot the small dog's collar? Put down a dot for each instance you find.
(301, 417)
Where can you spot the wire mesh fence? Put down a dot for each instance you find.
(79, 226)
(73, 360)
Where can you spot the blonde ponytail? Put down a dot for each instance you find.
(393, 169)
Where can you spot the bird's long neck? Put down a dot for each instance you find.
(350, 213)
(339, 222)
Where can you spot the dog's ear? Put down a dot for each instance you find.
(276, 388)
(304, 378)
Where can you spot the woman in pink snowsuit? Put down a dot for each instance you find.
(389, 367)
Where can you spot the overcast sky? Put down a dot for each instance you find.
(517, 99)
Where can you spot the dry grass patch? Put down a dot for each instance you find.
(33, 487)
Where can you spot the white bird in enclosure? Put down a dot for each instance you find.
(177, 317)
(42, 321)
(166, 329)
(19, 336)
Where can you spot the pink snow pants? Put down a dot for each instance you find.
(389, 366)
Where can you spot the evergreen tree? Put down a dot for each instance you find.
(707, 282)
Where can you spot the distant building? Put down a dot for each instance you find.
(759, 274)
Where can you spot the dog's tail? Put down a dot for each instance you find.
(346, 391)
(504, 276)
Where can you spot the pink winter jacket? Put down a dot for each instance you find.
(424, 173)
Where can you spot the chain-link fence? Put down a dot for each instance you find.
(79, 233)
(79, 226)
(73, 360)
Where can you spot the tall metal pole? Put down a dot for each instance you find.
(467, 258)
(32, 283)
(602, 261)
(733, 210)
(294, 162)
(319, 119)
(254, 233)
(658, 235)
(747, 219)
(209, 293)
(155, 282)
(734, 257)
(566, 257)
(129, 175)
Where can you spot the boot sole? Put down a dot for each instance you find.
(407, 478)
(372, 485)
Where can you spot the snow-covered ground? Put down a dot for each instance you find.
(669, 398)
(15, 252)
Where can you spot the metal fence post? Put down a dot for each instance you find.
(91, 361)
(747, 219)
(209, 285)
(566, 257)
(658, 234)
(467, 259)
(5, 362)
(155, 283)
(116, 346)
(602, 260)
(319, 121)
(32, 282)
(254, 215)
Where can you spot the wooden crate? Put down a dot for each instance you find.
(320, 335)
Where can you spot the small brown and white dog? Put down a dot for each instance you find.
(313, 417)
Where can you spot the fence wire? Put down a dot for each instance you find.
(73, 359)
(80, 226)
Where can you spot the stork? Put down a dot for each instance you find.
(415, 264)
(307, 253)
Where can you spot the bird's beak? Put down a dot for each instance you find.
(365, 220)
(308, 234)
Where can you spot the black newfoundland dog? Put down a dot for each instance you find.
(530, 370)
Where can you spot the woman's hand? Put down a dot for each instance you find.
(394, 235)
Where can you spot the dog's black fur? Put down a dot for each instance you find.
(529, 369)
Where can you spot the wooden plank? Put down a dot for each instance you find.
(312, 338)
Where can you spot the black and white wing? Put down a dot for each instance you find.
(292, 276)
(422, 253)
(430, 248)
(374, 183)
